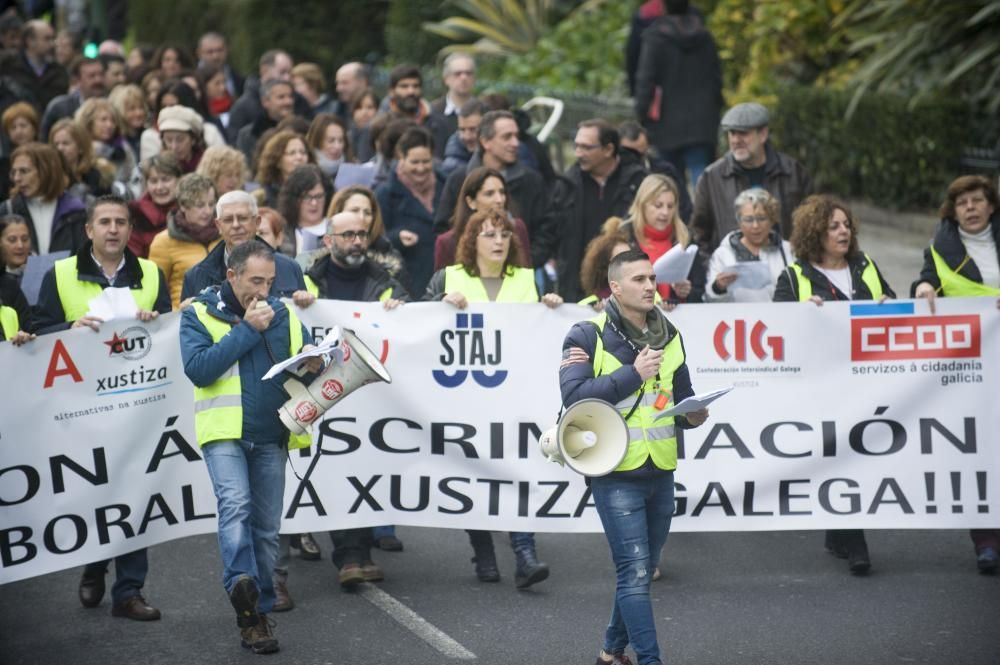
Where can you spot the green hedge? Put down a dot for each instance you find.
(888, 153)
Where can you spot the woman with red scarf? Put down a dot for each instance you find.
(160, 174)
(654, 226)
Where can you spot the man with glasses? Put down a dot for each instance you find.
(237, 219)
(347, 274)
(751, 162)
(604, 187)
(459, 74)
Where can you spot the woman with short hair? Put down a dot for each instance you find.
(20, 126)
(190, 235)
(160, 175)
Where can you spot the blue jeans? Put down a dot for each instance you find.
(635, 513)
(249, 483)
(690, 159)
(130, 574)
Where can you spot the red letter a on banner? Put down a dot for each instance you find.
(59, 352)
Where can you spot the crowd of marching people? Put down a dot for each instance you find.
(150, 169)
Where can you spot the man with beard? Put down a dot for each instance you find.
(346, 274)
(405, 90)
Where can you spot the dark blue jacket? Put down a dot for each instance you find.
(205, 361)
(212, 272)
(577, 381)
(401, 211)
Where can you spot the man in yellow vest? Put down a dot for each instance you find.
(105, 261)
(632, 357)
(63, 302)
(230, 336)
(964, 261)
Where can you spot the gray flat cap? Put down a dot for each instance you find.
(749, 115)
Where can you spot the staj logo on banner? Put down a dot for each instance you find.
(470, 349)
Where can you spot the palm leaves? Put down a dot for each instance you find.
(926, 48)
(498, 27)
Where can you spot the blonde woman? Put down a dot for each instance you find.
(654, 226)
(130, 102)
(107, 133)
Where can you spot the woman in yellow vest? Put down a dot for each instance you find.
(963, 261)
(488, 253)
(13, 311)
(831, 266)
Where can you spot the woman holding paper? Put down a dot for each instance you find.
(489, 255)
(654, 226)
(757, 245)
(831, 266)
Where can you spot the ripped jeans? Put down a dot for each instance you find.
(635, 512)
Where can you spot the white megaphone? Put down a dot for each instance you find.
(591, 438)
(359, 367)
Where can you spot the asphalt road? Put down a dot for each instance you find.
(736, 598)
(740, 599)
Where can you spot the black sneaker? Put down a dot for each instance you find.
(486, 568)
(259, 638)
(243, 597)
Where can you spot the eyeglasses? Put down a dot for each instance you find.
(241, 220)
(351, 236)
(492, 235)
(313, 198)
(755, 219)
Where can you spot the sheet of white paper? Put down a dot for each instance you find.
(675, 265)
(354, 174)
(330, 347)
(31, 282)
(693, 403)
(113, 303)
(750, 275)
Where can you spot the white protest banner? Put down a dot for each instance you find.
(861, 416)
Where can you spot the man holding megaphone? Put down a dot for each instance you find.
(631, 357)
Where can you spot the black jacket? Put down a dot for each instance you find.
(12, 296)
(949, 245)
(63, 106)
(49, 315)
(787, 289)
(377, 280)
(679, 57)
(620, 187)
(53, 82)
(526, 198)
(68, 233)
(653, 164)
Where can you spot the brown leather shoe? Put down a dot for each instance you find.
(91, 589)
(135, 608)
(282, 601)
(351, 576)
(372, 572)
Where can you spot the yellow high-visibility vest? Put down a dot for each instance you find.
(647, 437)
(517, 285)
(953, 284)
(75, 295)
(869, 276)
(218, 408)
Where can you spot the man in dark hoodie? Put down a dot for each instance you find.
(678, 88)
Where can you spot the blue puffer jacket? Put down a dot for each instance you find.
(205, 362)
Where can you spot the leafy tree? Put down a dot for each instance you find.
(925, 47)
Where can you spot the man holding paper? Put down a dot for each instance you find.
(75, 285)
(631, 356)
(71, 291)
(230, 336)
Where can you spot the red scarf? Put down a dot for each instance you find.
(220, 105)
(657, 244)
